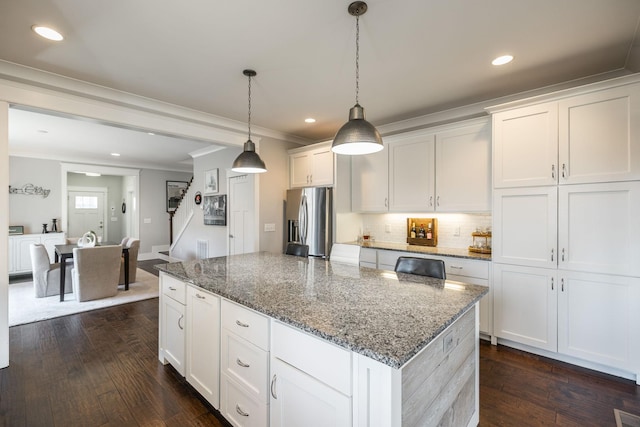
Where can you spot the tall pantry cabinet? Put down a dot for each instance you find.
(566, 234)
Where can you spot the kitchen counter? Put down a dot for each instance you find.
(452, 252)
(385, 316)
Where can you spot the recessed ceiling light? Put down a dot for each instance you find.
(115, 154)
(310, 120)
(501, 60)
(47, 33)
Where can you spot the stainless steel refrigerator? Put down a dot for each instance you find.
(308, 219)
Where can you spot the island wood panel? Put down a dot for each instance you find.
(434, 383)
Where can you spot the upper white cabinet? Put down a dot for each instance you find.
(370, 182)
(592, 137)
(311, 166)
(444, 169)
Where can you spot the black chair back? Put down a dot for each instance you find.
(297, 249)
(421, 266)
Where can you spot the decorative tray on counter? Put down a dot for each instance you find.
(481, 242)
(423, 241)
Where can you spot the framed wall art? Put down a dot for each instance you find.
(175, 190)
(211, 181)
(215, 210)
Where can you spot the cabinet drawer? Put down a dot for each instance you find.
(368, 255)
(246, 323)
(238, 406)
(174, 288)
(466, 267)
(387, 259)
(320, 359)
(245, 363)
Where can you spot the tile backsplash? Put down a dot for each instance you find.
(393, 227)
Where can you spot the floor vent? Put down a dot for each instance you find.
(202, 250)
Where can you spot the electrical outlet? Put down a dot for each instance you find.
(269, 227)
(147, 220)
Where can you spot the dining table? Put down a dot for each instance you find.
(64, 252)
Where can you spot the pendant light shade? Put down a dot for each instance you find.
(249, 161)
(357, 136)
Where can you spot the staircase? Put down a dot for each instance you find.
(180, 218)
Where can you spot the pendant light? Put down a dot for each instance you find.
(357, 136)
(249, 161)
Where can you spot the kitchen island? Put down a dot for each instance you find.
(393, 349)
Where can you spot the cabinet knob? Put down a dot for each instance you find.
(241, 363)
(180, 322)
(553, 171)
(200, 296)
(273, 386)
(551, 254)
(430, 200)
(562, 256)
(564, 170)
(241, 324)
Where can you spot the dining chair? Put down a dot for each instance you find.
(345, 253)
(134, 246)
(96, 271)
(297, 249)
(421, 266)
(46, 276)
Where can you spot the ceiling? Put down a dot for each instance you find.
(416, 57)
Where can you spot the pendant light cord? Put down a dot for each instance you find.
(249, 119)
(357, 57)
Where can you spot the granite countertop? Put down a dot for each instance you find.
(377, 313)
(452, 252)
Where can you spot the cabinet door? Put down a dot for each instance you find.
(463, 169)
(599, 318)
(298, 399)
(411, 174)
(322, 167)
(525, 305)
(525, 226)
(599, 136)
(173, 334)
(240, 407)
(203, 344)
(23, 253)
(599, 228)
(300, 169)
(369, 182)
(525, 142)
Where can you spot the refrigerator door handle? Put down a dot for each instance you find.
(304, 219)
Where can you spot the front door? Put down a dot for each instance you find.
(241, 215)
(86, 213)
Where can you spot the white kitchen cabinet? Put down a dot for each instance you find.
(368, 258)
(310, 380)
(244, 363)
(172, 321)
(463, 169)
(370, 182)
(411, 174)
(19, 249)
(599, 319)
(311, 166)
(589, 137)
(587, 227)
(525, 305)
(203, 343)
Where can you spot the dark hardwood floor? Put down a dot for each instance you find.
(100, 368)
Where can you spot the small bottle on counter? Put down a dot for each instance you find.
(429, 232)
(413, 230)
(421, 232)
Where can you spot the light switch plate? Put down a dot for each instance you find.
(269, 227)
(147, 220)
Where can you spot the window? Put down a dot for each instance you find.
(86, 202)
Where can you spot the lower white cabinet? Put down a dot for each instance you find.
(240, 407)
(310, 380)
(592, 317)
(203, 344)
(298, 399)
(172, 323)
(19, 252)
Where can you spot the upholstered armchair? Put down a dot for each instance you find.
(96, 271)
(134, 247)
(46, 276)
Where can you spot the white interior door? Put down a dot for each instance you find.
(241, 215)
(86, 212)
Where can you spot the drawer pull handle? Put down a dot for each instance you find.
(457, 267)
(241, 363)
(200, 296)
(240, 411)
(180, 322)
(242, 325)
(273, 386)
(171, 288)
